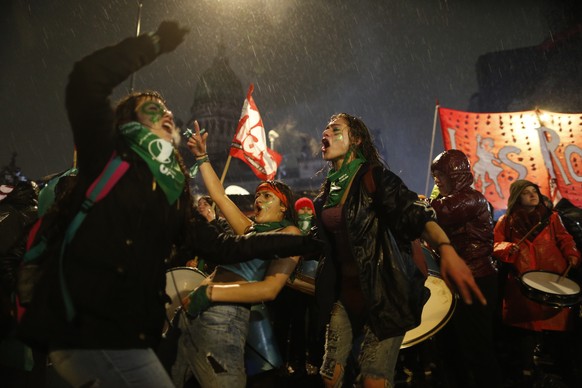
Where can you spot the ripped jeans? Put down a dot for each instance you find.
(376, 359)
(211, 346)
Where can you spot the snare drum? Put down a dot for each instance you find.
(438, 309)
(550, 288)
(180, 281)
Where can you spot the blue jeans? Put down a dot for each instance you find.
(110, 368)
(376, 359)
(211, 346)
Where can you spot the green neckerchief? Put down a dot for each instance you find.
(159, 156)
(339, 180)
(268, 226)
(304, 222)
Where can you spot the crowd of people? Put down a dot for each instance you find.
(339, 277)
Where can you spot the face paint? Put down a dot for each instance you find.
(266, 205)
(338, 133)
(154, 110)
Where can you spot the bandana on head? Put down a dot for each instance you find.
(159, 156)
(273, 189)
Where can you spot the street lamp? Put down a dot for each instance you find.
(272, 137)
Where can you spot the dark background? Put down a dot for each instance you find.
(386, 61)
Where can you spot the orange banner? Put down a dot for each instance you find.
(504, 147)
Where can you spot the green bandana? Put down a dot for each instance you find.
(159, 156)
(339, 180)
(268, 226)
(304, 222)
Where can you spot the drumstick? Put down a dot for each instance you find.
(565, 272)
(528, 233)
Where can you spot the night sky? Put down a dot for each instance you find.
(386, 61)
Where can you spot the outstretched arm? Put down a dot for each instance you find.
(252, 292)
(224, 248)
(454, 270)
(92, 81)
(235, 217)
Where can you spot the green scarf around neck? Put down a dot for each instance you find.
(339, 180)
(159, 156)
(268, 226)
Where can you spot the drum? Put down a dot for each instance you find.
(550, 288)
(305, 277)
(180, 281)
(261, 350)
(438, 309)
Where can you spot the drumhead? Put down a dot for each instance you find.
(550, 282)
(436, 312)
(180, 281)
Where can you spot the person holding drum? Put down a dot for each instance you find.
(216, 323)
(464, 213)
(369, 217)
(533, 240)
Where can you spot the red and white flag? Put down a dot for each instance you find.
(250, 144)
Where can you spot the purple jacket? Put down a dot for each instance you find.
(464, 214)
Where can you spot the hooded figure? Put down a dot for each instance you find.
(465, 216)
(463, 212)
(532, 237)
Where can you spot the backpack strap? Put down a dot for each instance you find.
(112, 173)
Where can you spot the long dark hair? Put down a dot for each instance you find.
(125, 108)
(359, 131)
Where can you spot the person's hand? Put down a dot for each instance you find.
(171, 35)
(513, 249)
(197, 142)
(573, 260)
(197, 301)
(209, 214)
(458, 276)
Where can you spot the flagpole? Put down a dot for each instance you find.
(226, 166)
(547, 157)
(436, 109)
(137, 31)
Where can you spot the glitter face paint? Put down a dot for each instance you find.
(154, 110)
(338, 133)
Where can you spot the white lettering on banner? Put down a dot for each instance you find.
(568, 151)
(503, 156)
(552, 146)
(452, 132)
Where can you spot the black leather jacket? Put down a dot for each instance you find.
(367, 216)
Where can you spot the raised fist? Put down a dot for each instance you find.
(170, 35)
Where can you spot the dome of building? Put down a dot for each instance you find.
(219, 84)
